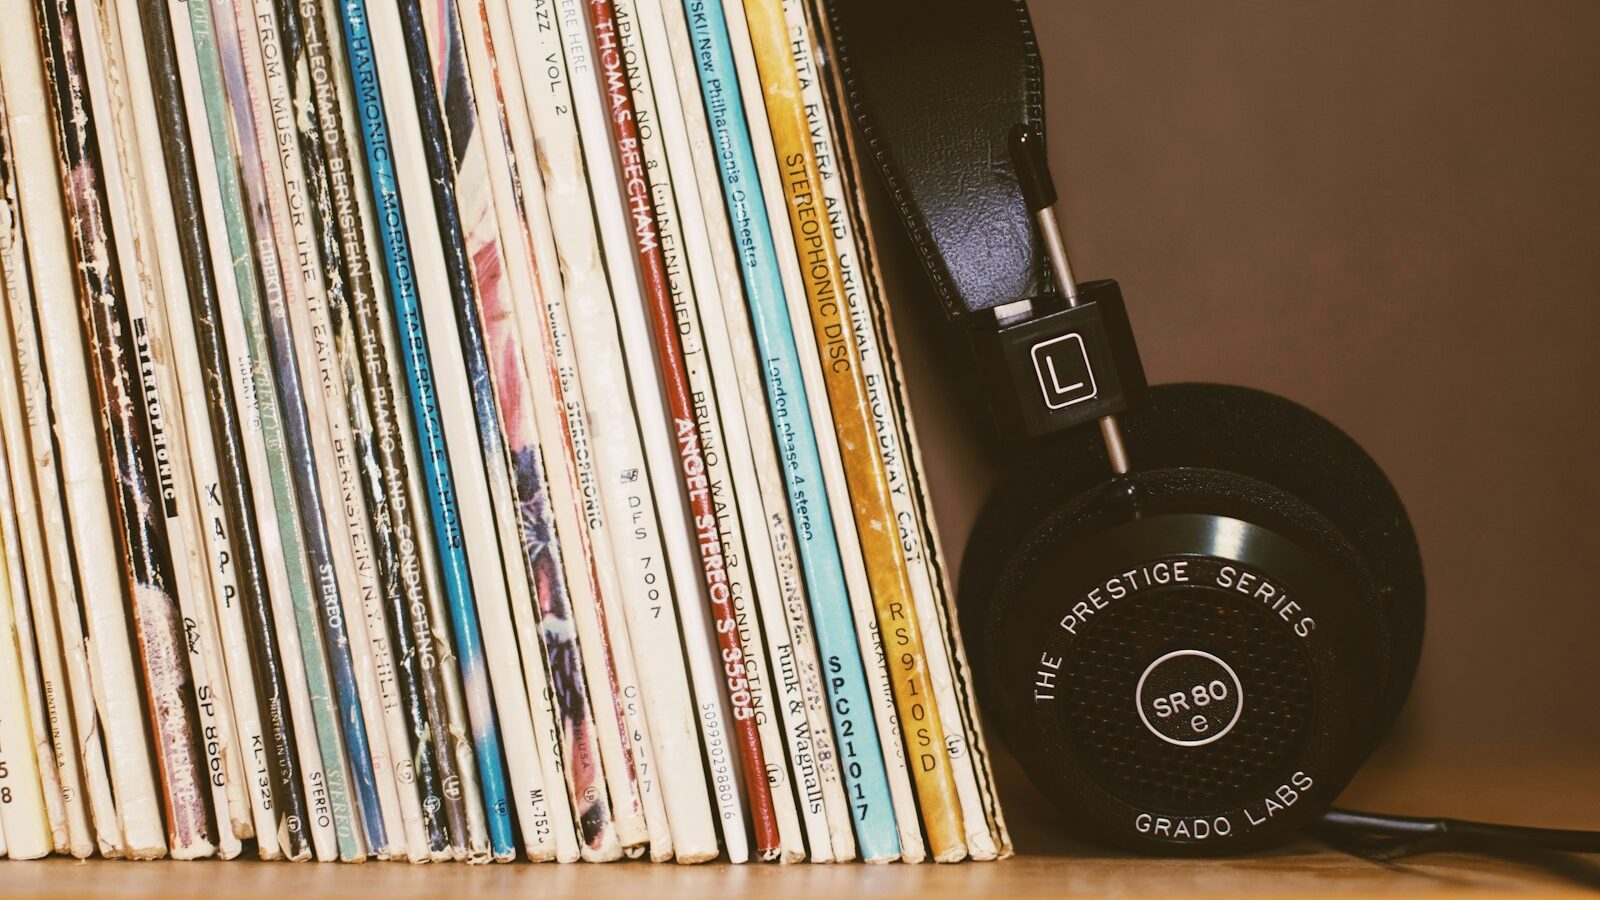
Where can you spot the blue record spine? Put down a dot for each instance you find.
(442, 504)
(861, 756)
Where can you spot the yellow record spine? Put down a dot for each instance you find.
(870, 500)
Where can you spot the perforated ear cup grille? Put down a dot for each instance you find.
(1226, 428)
(1100, 684)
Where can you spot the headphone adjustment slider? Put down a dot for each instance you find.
(1062, 366)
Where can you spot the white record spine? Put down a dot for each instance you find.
(76, 734)
(30, 592)
(112, 673)
(562, 222)
(677, 750)
(22, 808)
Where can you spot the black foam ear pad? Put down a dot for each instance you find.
(1265, 439)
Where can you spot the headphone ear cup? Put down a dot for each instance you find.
(1208, 445)
(1277, 441)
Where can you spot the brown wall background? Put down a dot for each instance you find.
(1388, 211)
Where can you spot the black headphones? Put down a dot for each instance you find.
(1193, 623)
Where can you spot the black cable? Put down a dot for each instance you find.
(1386, 837)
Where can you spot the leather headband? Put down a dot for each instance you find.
(935, 88)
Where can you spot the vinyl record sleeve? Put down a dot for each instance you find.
(696, 429)
(79, 747)
(554, 192)
(858, 690)
(137, 828)
(96, 198)
(891, 441)
(923, 534)
(527, 418)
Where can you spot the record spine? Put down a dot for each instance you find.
(870, 498)
(890, 434)
(79, 747)
(321, 325)
(279, 399)
(527, 420)
(137, 827)
(145, 554)
(738, 660)
(601, 423)
(762, 509)
(474, 266)
(862, 754)
(22, 809)
(216, 173)
(373, 419)
(441, 556)
(693, 828)
(406, 230)
(35, 618)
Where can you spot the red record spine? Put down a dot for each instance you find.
(692, 468)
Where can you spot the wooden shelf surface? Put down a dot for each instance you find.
(1555, 791)
(1307, 870)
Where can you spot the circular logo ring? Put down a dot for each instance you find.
(1238, 708)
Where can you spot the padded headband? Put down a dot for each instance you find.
(936, 87)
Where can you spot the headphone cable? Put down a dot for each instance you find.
(1379, 836)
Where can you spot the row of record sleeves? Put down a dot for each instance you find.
(459, 430)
